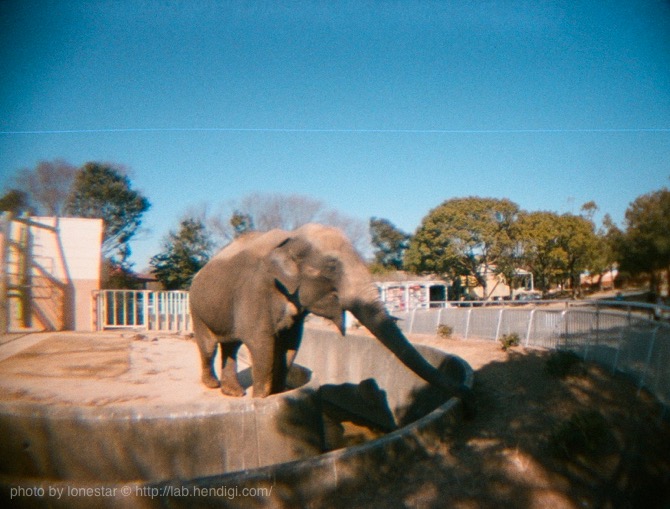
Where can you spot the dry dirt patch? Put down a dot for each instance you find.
(71, 356)
(506, 456)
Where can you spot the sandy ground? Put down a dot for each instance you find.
(106, 369)
(501, 458)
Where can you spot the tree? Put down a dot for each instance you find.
(604, 256)
(388, 243)
(263, 212)
(102, 191)
(241, 223)
(589, 210)
(184, 253)
(644, 246)
(538, 235)
(48, 185)
(557, 247)
(15, 201)
(579, 242)
(464, 237)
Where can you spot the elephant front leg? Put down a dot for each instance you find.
(230, 384)
(286, 350)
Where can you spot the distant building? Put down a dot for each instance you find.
(604, 281)
(401, 291)
(497, 287)
(405, 295)
(148, 281)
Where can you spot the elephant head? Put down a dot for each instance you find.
(318, 268)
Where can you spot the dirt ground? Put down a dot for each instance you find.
(519, 451)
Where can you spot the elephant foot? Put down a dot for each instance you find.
(210, 381)
(262, 390)
(235, 391)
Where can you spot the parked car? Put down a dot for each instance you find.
(528, 296)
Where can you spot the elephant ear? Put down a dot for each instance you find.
(285, 261)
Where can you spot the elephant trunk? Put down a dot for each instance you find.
(384, 327)
(374, 316)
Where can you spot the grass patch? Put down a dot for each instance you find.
(445, 331)
(510, 340)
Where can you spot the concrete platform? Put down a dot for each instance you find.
(110, 408)
(120, 410)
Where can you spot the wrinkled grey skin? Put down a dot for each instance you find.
(258, 290)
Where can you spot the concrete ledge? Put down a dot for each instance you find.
(192, 471)
(77, 443)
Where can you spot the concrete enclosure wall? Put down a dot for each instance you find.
(234, 436)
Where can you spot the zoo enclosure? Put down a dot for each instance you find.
(142, 309)
(623, 337)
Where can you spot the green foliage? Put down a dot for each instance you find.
(444, 331)
(464, 235)
(241, 223)
(117, 276)
(538, 234)
(15, 201)
(579, 243)
(584, 433)
(644, 247)
(184, 253)
(604, 256)
(556, 247)
(510, 340)
(102, 191)
(388, 242)
(562, 363)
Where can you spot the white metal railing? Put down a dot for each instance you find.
(142, 309)
(622, 336)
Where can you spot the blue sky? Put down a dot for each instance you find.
(376, 108)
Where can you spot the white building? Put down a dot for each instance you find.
(49, 267)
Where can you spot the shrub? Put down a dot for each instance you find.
(510, 340)
(562, 363)
(586, 432)
(445, 331)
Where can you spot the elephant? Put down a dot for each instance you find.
(258, 290)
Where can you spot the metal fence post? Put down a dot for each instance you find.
(411, 321)
(530, 325)
(564, 315)
(499, 324)
(145, 309)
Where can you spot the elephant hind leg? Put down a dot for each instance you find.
(207, 343)
(262, 360)
(230, 384)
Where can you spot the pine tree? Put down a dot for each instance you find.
(185, 252)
